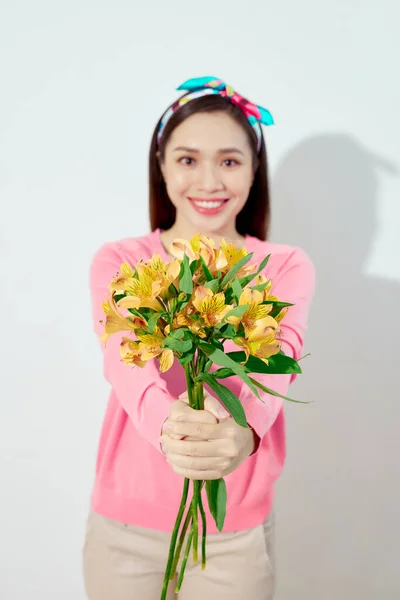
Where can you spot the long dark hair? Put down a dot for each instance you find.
(254, 217)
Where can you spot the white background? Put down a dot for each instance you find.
(82, 86)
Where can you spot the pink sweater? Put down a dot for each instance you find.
(134, 484)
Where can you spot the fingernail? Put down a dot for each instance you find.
(222, 414)
(168, 427)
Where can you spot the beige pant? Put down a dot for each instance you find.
(125, 562)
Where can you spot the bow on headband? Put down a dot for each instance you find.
(202, 86)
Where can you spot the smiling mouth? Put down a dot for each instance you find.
(211, 204)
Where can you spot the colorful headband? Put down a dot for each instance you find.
(203, 86)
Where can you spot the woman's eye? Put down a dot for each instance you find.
(186, 160)
(230, 162)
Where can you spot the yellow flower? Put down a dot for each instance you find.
(200, 245)
(232, 255)
(152, 346)
(151, 282)
(261, 340)
(261, 279)
(115, 322)
(212, 307)
(122, 280)
(182, 319)
(254, 313)
(130, 352)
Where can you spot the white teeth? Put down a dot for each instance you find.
(208, 204)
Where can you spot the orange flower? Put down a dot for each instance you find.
(200, 246)
(233, 254)
(211, 307)
(149, 285)
(115, 322)
(254, 313)
(130, 352)
(152, 346)
(261, 340)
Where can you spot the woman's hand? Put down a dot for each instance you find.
(205, 444)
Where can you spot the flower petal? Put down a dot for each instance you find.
(166, 360)
(129, 302)
(249, 296)
(201, 293)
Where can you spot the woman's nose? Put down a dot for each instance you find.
(209, 179)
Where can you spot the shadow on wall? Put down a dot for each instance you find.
(338, 500)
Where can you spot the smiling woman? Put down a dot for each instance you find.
(207, 166)
(225, 163)
(208, 175)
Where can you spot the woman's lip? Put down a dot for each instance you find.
(211, 209)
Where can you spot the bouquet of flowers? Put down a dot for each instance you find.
(185, 310)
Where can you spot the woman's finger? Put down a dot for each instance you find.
(197, 430)
(214, 406)
(221, 447)
(198, 463)
(211, 405)
(180, 411)
(196, 475)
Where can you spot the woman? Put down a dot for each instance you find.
(208, 174)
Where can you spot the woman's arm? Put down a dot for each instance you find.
(142, 392)
(294, 282)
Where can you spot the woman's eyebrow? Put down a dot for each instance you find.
(219, 151)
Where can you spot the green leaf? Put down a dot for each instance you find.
(178, 345)
(206, 270)
(238, 311)
(227, 397)
(181, 305)
(277, 304)
(173, 291)
(280, 364)
(177, 334)
(223, 360)
(217, 500)
(228, 331)
(223, 373)
(212, 285)
(278, 307)
(246, 280)
(217, 344)
(236, 288)
(273, 393)
(207, 366)
(185, 276)
(186, 358)
(152, 322)
(235, 269)
(261, 287)
(194, 265)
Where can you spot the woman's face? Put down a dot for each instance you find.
(208, 171)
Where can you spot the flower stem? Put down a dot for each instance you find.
(204, 532)
(195, 524)
(185, 559)
(180, 542)
(173, 539)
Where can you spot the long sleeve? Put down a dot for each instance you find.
(142, 392)
(294, 282)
